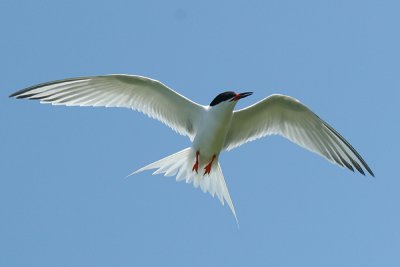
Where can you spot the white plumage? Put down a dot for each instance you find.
(211, 129)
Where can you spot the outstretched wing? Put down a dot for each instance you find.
(286, 116)
(139, 93)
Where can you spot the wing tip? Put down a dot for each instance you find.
(22, 93)
(17, 94)
(371, 172)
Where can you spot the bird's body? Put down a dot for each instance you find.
(211, 136)
(212, 129)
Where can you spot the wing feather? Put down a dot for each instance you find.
(139, 93)
(286, 116)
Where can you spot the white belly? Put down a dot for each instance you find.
(211, 134)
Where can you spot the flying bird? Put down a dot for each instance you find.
(212, 129)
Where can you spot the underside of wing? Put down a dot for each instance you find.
(286, 116)
(136, 92)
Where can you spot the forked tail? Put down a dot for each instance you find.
(180, 165)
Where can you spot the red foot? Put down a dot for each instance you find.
(196, 165)
(208, 167)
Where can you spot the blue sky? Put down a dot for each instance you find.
(63, 197)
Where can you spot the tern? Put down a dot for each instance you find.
(212, 129)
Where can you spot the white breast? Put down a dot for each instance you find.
(213, 129)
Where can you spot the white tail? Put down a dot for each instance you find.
(181, 163)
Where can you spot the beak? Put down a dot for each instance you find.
(241, 95)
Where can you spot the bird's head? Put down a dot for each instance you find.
(228, 98)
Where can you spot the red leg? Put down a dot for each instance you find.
(196, 165)
(208, 167)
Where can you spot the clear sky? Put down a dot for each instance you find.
(63, 197)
